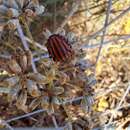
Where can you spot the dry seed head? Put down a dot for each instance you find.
(51, 75)
(37, 77)
(11, 24)
(45, 102)
(21, 101)
(32, 88)
(63, 78)
(23, 58)
(29, 57)
(12, 13)
(17, 64)
(29, 13)
(23, 62)
(4, 65)
(35, 103)
(58, 90)
(16, 8)
(14, 66)
(10, 81)
(13, 95)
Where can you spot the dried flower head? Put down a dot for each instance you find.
(18, 63)
(10, 9)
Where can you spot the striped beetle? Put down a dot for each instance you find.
(59, 49)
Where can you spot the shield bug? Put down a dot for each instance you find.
(59, 49)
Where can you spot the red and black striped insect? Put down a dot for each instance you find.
(59, 49)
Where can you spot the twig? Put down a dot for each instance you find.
(122, 124)
(25, 115)
(74, 9)
(111, 22)
(42, 47)
(119, 105)
(55, 122)
(41, 57)
(72, 100)
(6, 124)
(112, 87)
(24, 43)
(105, 42)
(22, 35)
(109, 112)
(104, 31)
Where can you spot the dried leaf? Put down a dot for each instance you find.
(32, 88)
(29, 57)
(57, 90)
(13, 95)
(21, 101)
(45, 102)
(10, 81)
(12, 13)
(37, 77)
(23, 62)
(11, 24)
(63, 78)
(34, 104)
(14, 66)
(51, 75)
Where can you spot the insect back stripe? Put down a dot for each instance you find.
(61, 48)
(66, 41)
(54, 48)
(66, 46)
(51, 49)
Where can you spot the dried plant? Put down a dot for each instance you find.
(45, 71)
(58, 82)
